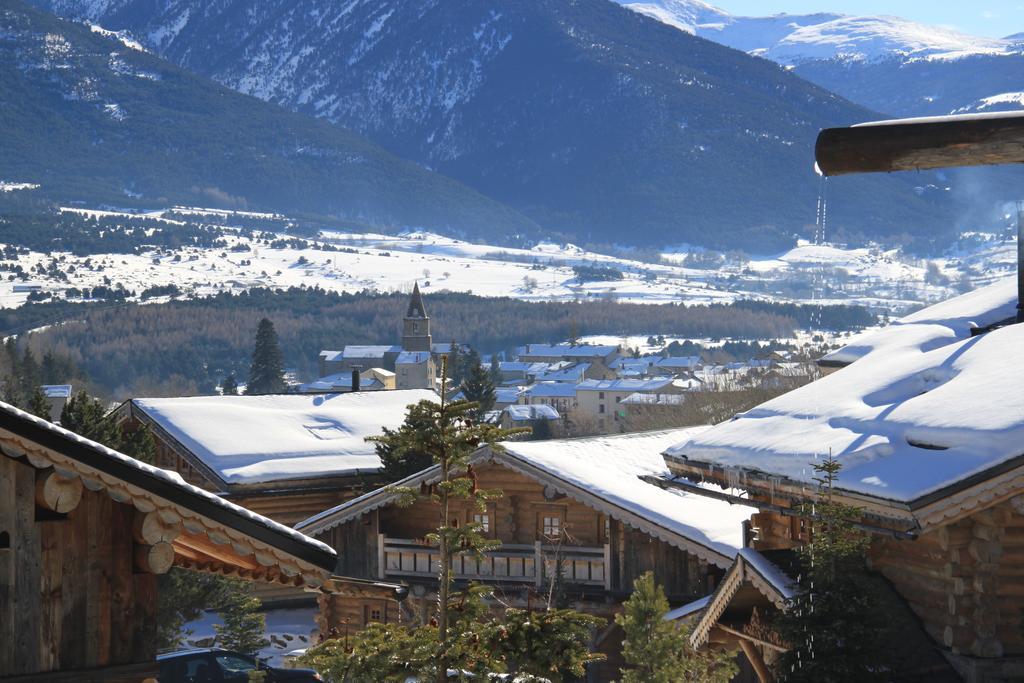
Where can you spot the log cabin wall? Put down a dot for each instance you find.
(69, 595)
(965, 581)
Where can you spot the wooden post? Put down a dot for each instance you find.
(607, 566)
(381, 557)
(756, 660)
(538, 564)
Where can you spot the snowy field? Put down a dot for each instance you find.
(806, 273)
(287, 630)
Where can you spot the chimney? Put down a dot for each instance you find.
(355, 379)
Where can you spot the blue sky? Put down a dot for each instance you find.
(980, 17)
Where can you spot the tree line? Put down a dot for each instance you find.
(187, 347)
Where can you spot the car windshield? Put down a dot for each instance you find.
(232, 663)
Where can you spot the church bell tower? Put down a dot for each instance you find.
(416, 326)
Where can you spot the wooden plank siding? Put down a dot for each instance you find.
(73, 599)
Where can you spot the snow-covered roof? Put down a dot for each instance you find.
(551, 390)
(923, 410)
(339, 381)
(369, 351)
(518, 413)
(506, 394)
(566, 351)
(573, 373)
(633, 385)
(604, 473)
(254, 439)
(412, 357)
(108, 467)
(679, 362)
(936, 325)
(56, 390)
(655, 399)
(329, 355)
(610, 467)
(688, 609)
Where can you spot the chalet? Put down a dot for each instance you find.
(575, 508)
(286, 456)
(84, 533)
(928, 424)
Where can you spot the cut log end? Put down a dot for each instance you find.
(58, 493)
(154, 559)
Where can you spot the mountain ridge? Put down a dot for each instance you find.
(588, 118)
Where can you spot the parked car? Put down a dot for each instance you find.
(215, 665)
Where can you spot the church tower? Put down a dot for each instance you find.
(416, 327)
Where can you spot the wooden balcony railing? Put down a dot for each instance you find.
(515, 563)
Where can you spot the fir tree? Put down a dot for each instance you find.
(229, 387)
(658, 651)
(495, 370)
(244, 624)
(140, 445)
(87, 417)
(39, 405)
(266, 374)
(454, 360)
(836, 628)
(478, 388)
(462, 636)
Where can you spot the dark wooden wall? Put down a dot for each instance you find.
(69, 596)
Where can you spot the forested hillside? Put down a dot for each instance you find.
(89, 118)
(185, 347)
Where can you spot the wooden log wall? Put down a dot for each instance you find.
(965, 580)
(70, 595)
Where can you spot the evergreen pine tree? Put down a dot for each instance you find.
(140, 445)
(454, 359)
(266, 374)
(478, 388)
(229, 387)
(495, 370)
(658, 651)
(30, 377)
(87, 417)
(835, 626)
(244, 624)
(39, 405)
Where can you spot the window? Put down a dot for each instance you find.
(374, 615)
(551, 526)
(484, 521)
(600, 394)
(618, 399)
(600, 408)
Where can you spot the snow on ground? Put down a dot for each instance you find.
(924, 410)
(11, 187)
(287, 630)
(347, 262)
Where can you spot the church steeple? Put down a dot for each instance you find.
(416, 326)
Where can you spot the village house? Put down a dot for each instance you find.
(927, 420)
(286, 456)
(599, 399)
(559, 395)
(374, 379)
(85, 532)
(601, 355)
(515, 417)
(573, 508)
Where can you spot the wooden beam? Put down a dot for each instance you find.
(920, 144)
(756, 660)
(220, 553)
(57, 492)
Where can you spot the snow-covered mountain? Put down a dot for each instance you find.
(595, 122)
(885, 63)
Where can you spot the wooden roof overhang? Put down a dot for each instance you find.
(204, 532)
(386, 495)
(900, 518)
(742, 589)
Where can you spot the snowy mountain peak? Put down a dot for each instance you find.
(792, 39)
